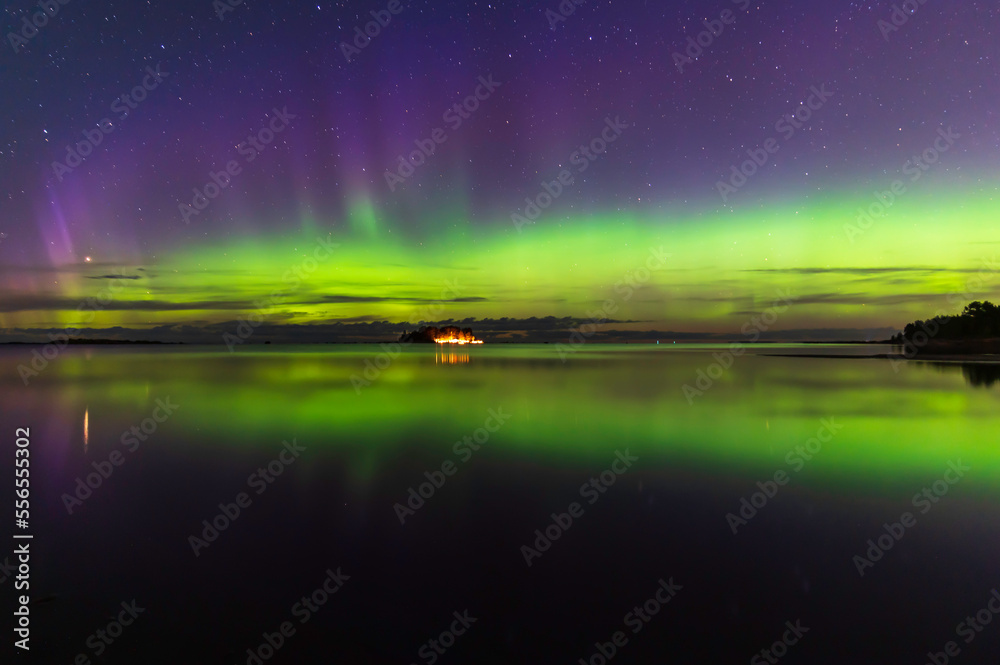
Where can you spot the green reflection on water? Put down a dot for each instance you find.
(895, 424)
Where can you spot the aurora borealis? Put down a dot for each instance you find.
(466, 256)
(311, 211)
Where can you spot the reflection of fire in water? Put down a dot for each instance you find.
(450, 357)
(86, 428)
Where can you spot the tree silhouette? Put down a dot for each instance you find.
(978, 320)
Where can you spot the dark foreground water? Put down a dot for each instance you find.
(623, 490)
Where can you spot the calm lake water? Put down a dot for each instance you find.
(512, 434)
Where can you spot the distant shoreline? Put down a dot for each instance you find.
(84, 342)
(941, 353)
(937, 357)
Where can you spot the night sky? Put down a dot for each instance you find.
(651, 224)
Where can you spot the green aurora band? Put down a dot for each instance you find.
(720, 268)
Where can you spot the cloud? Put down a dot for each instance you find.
(858, 299)
(77, 268)
(537, 330)
(548, 328)
(861, 271)
(22, 303)
(392, 299)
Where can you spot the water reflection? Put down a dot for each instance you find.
(443, 357)
(980, 375)
(565, 421)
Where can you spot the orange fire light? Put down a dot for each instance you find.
(457, 340)
(460, 338)
(451, 358)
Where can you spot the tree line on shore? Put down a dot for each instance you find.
(979, 320)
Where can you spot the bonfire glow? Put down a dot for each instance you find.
(457, 340)
(452, 335)
(445, 335)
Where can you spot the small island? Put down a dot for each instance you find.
(445, 335)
